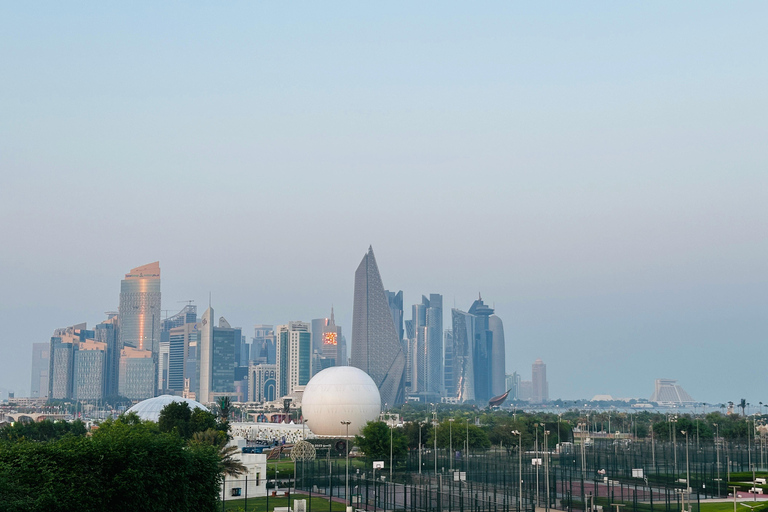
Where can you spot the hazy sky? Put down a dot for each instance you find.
(596, 170)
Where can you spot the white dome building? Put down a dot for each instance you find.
(150, 409)
(340, 393)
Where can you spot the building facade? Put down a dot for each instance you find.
(376, 348)
(294, 356)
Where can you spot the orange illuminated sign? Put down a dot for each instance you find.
(329, 338)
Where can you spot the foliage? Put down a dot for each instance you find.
(411, 431)
(225, 409)
(374, 441)
(218, 439)
(41, 431)
(478, 439)
(124, 466)
(178, 417)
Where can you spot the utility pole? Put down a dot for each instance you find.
(519, 469)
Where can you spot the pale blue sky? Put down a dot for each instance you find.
(596, 170)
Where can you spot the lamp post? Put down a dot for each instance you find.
(419, 447)
(346, 449)
(546, 466)
(519, 469)
(434, 426)
(536, 451)
(717, 454)
(674, 441)
(687, 469)
(450, 441)
(390, 449)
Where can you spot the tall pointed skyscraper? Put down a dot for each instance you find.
(376, 348)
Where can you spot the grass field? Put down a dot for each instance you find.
(260, 504)
(727, 506)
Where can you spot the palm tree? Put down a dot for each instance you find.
(225, 407)
(227, 463)
(743, 405)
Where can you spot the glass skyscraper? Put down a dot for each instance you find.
(376, 348)
(139, 313)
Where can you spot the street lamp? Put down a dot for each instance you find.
(519, 469)
(546, 466)
(717, 454)
(536, 449)
(687, 471)
(450, 441)
(346, 448)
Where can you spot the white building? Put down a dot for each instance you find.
(252, 483)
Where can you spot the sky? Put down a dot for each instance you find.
(596, 170)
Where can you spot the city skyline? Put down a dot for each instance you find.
(596, 172)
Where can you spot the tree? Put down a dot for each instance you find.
(374, 441)
(176, 416)
(227, 463)
(225, 408)
(478, 439)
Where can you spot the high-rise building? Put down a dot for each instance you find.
(498, 357)
(61, 362)
(539, 385)
(139, 319)
(450, 385)
(294, 356)
(333, 347)
(181, 342)
(106, 332)
(318, 324)
(512, 383)
(262, 382)
(40, 368)
(425, 349)
(395, 300)
(376, 348)
(89, 370)
(263, 344)
(476, 342)
(216, 352)
(137, 374)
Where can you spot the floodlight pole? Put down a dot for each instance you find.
(346, 449)
(519, 469)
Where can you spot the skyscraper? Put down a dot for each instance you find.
(395, 300)
(498, 357)
(332, 347)
(294, 356)
(140, 308)
(376, 348)
(539, 385)
(425, 349)
(216, 353)
(139, 324)
(40, 368)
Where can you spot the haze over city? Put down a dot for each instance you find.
(597, 174)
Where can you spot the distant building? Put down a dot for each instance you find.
(513, 382)
(107, 332)
(139, 318)
(294, 356)
(262, 382)
(540, 386)
(395, 301)
(425, 349)
(216, 354)
(668, 392)
(333, 347)
(137, 374)
(450, 385)
(263, 344)
(376, 348)
(89, 370)
(525, 391)
(40, 368)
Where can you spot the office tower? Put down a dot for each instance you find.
(513, 383)
(136, 374)
(450, 386)
(139, 319)
(483, 350)
(106, 332)
(463, 372)
(263, 344)
(474, 348)
(183, 335)
(376, 348)
(318, 324)
(498, 356)
(61, 362)
(217, 358)
(40, 368)
(139, 311)
(669, 392)
(395, 300)
(262, 382)
(539, 386)
(332, 346)
(89, 370)
(294, 356)
(204, 352)
(525, 391)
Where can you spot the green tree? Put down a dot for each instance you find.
(176, 416)
(218, 439)
(478, 439)
(374, 441)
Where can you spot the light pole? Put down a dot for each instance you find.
(536, 451)
(450, 441)
(390, 449)
(687, 470)
(674, 441)
(346, 448)
(546, 466)
(717, 454)
(434, 426)
(519, 469)
(419, 447)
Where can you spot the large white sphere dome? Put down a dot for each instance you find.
(340, 393)
(150, 408)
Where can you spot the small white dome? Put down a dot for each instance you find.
(150, 409)
(340, 393)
